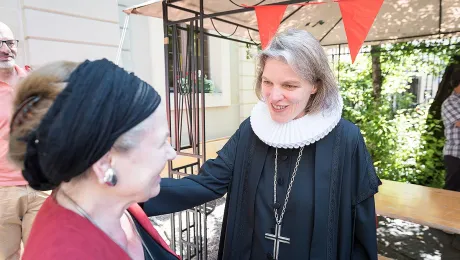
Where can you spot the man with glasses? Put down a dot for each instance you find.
(18, 202)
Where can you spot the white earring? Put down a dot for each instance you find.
(110, 178)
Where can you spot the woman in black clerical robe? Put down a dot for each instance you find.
(299, 180)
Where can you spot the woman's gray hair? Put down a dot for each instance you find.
(305, 55)
(133, 137)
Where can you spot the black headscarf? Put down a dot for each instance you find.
(100, 103)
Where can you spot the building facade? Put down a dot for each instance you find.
(50, 30)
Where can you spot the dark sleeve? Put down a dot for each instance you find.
(365, 231)
(211, 183)
(366, 185)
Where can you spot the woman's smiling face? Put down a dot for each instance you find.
(285, 93)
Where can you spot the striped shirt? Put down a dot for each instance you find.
(450, 113)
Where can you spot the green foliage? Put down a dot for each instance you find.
(403, 145)
(250, 49)
(186, 87)
(430, 169)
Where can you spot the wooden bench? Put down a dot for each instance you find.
(436, 208)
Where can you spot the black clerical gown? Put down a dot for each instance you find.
(299, 209)
(336, 219)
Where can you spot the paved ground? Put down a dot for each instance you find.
(404, 240)
(163, 225)
(397, 239)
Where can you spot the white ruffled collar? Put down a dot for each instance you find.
(295, 133)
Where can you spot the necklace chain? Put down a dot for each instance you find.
(88, 217)
(279, 219)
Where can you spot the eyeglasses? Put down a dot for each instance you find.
(9, 43)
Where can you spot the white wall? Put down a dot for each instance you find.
(223, 121)
(51, 30)
(247, 73)
(69, 30)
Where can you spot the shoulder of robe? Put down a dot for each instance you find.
(245, 125)
(364, 178)
(350, 131)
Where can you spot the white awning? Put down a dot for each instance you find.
(397, 18)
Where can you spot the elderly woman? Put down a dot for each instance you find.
(299, 179)
(97, 136)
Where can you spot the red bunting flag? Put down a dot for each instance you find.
(358, 17)
(268, 20)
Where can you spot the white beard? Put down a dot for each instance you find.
(7, 64)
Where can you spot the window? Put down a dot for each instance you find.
(182, 37)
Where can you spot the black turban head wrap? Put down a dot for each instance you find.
(100, 102)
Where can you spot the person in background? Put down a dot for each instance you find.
(19, 203)
(98, 137)
(450, 112)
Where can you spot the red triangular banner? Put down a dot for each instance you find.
(358, 17)
(268, 20)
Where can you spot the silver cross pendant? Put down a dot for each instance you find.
(277, 239)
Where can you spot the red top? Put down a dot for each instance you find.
(59, 233)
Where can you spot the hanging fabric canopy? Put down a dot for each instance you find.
(396, 18)
(330, 21)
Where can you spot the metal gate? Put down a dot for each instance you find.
(186, 54)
